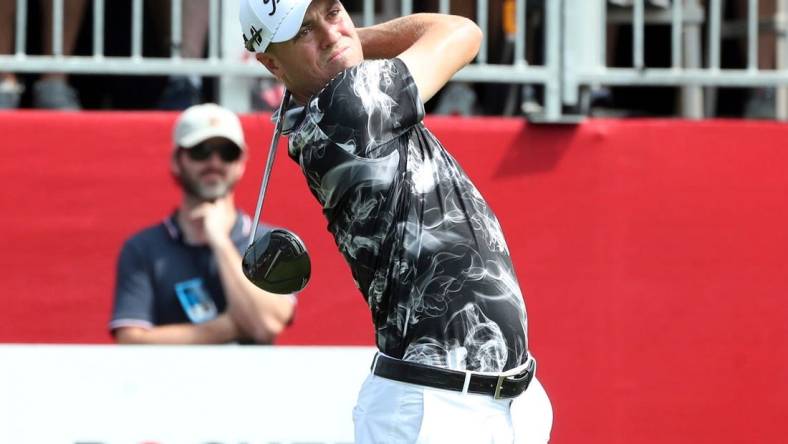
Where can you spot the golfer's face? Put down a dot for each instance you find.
(326, 44)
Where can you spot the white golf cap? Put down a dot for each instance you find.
(267, 21)
(202, 122)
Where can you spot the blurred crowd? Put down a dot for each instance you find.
(58, 91)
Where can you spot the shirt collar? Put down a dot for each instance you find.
(293, 117)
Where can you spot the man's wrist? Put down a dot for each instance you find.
(220, 243)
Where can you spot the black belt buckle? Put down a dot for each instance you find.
(528, 376)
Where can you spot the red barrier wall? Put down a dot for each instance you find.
(653, 255)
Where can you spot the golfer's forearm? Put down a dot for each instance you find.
(392, 38)
(444, 47)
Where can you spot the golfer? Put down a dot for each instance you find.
(424, 248)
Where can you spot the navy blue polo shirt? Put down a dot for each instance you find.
(163, 280)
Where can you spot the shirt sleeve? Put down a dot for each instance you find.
(133, 306)
(368, 105)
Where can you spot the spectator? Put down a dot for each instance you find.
(180, 281)
(761, 102)
(183, 91)
(52, 90)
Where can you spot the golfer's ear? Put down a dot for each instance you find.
(270, 62)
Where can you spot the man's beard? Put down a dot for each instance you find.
(205, 192)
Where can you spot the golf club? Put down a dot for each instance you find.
(278, 261)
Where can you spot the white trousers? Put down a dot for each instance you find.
(392, 412)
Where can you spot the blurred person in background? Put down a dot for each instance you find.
(761, 101)
(183, 91)
(52, 90)
(180, 281)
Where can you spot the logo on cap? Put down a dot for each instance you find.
(273, 5)
(255, 39)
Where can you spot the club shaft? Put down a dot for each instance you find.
(269, 165)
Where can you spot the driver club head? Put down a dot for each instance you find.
(277, 262)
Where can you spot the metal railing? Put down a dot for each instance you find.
(134, 63)
(574, 50)
(686, 18)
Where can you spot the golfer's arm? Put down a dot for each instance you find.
(261, 315)
(220, 330)
(433, 46)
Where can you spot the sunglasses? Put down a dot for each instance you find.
(228, 152)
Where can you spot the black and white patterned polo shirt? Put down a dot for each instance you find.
(423, 246)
